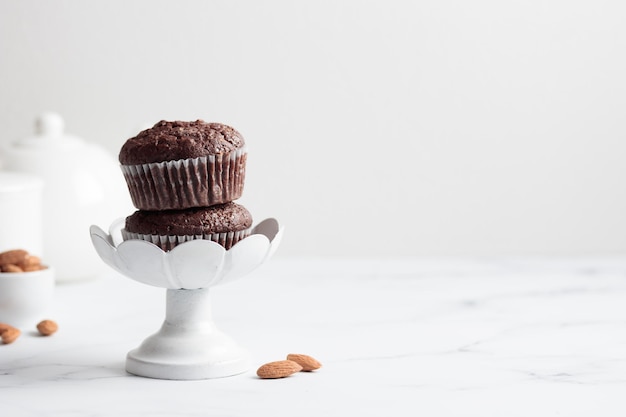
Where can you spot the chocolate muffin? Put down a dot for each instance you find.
(225, 224)
(177, 165)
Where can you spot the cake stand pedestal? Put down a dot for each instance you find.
(188, 345)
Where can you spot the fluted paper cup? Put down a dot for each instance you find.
(187, 183)
(167, 242)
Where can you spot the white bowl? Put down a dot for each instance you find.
(25, 297)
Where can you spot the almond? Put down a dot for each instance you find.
(278, 369)
(15, 257)
(10, 268)
(3, 327)
(29, 262)
(31, 268)
(47, 327)
(307, 362)
(9, 335)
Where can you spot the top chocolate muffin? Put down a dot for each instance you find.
(178, 165)
(171, 141)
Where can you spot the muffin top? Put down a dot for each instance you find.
(171, 141)
(221, 218)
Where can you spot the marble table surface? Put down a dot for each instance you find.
(443, 337)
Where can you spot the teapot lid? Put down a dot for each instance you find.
(49, 132)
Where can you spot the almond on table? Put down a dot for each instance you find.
(47, 327)
(3, 327)
(10, 334)
(308, 363)
(278, 369)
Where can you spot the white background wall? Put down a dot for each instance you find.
(389, 128)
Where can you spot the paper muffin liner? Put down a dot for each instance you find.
(167, 242)
(187, 183)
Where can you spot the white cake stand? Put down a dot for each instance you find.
(188, 345)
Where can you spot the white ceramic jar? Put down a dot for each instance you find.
(21, 212)
(83, 185)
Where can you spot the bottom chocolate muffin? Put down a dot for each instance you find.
(225, 224)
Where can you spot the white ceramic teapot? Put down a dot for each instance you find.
(83, 185)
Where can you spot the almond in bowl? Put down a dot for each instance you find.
(26, 288)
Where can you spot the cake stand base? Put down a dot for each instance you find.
(188, 345)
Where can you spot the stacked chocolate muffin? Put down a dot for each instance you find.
(183, 178)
